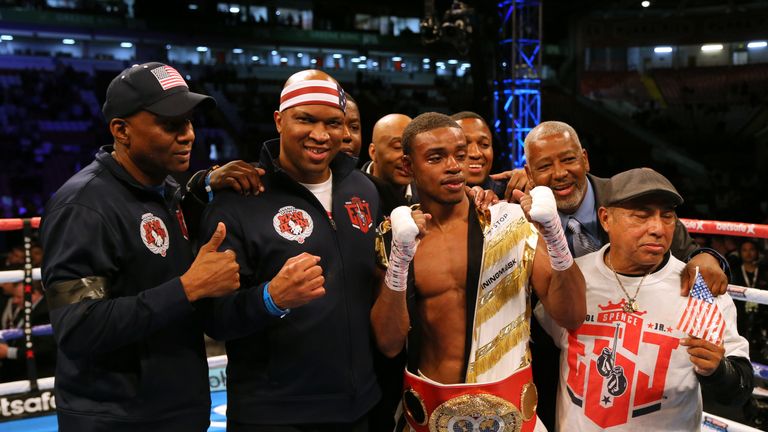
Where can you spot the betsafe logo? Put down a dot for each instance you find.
(27, 405)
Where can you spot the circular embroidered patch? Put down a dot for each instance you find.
(293, 224)
(154, 234)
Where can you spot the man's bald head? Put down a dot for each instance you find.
(309, 74)
(550, 129)
(386, 149)
(388, 125)
(312, 87)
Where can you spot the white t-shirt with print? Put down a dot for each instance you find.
(649, 384)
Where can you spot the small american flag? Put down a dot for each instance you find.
(701, 317)
(168, 77)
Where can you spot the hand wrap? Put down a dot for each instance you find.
(404, 232)
(544, 211)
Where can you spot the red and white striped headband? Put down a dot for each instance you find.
(313, 92)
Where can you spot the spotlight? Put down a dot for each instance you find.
(712, 48)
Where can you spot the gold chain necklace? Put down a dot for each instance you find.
(631, 305)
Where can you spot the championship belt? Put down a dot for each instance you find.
(383, 243)
(501, 323)
(507, 405)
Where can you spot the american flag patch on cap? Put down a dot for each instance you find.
(168, 77)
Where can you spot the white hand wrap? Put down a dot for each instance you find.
(404, 232)
(544, 211)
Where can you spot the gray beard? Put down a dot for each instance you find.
(571, 204)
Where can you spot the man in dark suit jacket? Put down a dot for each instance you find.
(556, 159)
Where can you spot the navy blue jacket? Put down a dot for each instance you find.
(315, 364)
(132, 357)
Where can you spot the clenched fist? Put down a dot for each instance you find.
(299, 282)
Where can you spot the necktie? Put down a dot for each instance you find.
(582, 243)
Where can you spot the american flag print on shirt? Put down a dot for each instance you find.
(168, 77)
(701, 316)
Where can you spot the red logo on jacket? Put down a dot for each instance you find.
(359, 214)
(154, 234)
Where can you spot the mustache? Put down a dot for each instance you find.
(453, 179)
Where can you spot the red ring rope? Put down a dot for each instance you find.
(740, 229)
(18, 223)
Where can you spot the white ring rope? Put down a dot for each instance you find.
(17, 275)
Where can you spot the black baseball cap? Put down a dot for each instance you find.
(640, 182)
(154, 87)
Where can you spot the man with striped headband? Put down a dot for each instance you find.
(460, 301)
(297, 333)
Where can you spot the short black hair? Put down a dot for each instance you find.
(467, 114)
(425, 123)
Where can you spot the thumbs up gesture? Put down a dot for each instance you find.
(213, 273)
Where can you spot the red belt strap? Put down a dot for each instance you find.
(507, 405)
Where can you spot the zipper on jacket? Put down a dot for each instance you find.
(318, 205)
(345, 299)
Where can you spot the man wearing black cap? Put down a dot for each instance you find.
(634, 364)
(119, 272)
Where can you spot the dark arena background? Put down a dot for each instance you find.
(677, 85)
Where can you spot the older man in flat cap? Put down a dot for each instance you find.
(634, 364)
(298, 331)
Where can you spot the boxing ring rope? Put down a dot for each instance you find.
(26, 225)
(739, 229)
(709, 421)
